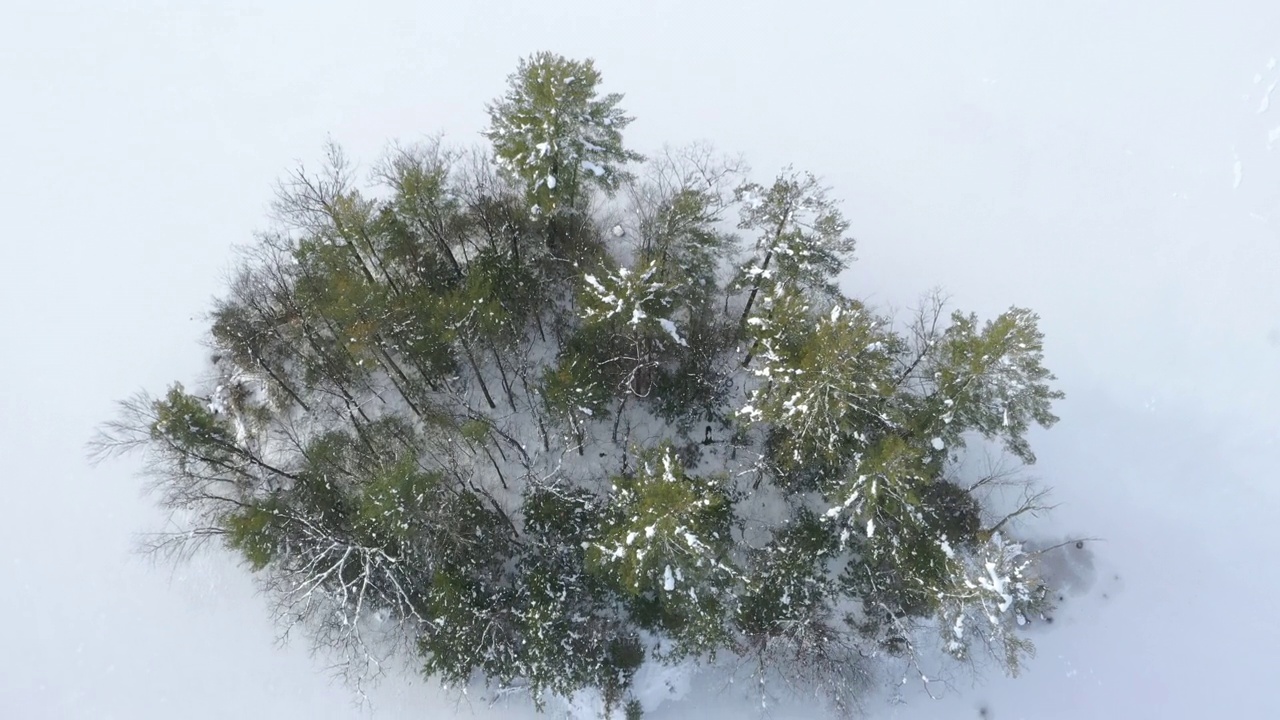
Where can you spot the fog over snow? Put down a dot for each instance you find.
(1113, 166)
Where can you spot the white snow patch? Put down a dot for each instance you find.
(997, 584)
(551, 182)
(593, 282)
(946, 548)
(1238, 172)
(670, 327)
(668, 580)
(937, 443)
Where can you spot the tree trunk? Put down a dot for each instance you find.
(755, 288)
(476, 368)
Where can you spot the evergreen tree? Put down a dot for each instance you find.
(825, 381)
(664, 545)
(556, 135)
(800, 236)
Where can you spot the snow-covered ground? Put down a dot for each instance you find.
(1115, 166)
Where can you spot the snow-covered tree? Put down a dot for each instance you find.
(570, 638)
(823, 379)
(678, 208)
(664, 545)
(800, 236)
(556, 134)
(493, 412)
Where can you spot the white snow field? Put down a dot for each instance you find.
(1114, 166)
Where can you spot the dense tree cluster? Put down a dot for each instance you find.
(547, 411)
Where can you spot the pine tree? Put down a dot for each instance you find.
(664, 545)
(800, 238)
(556, 135)
(824, 384)
(679, 208)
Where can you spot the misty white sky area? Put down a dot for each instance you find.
(1113, 166)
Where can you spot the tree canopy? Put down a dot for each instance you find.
(545, 411)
